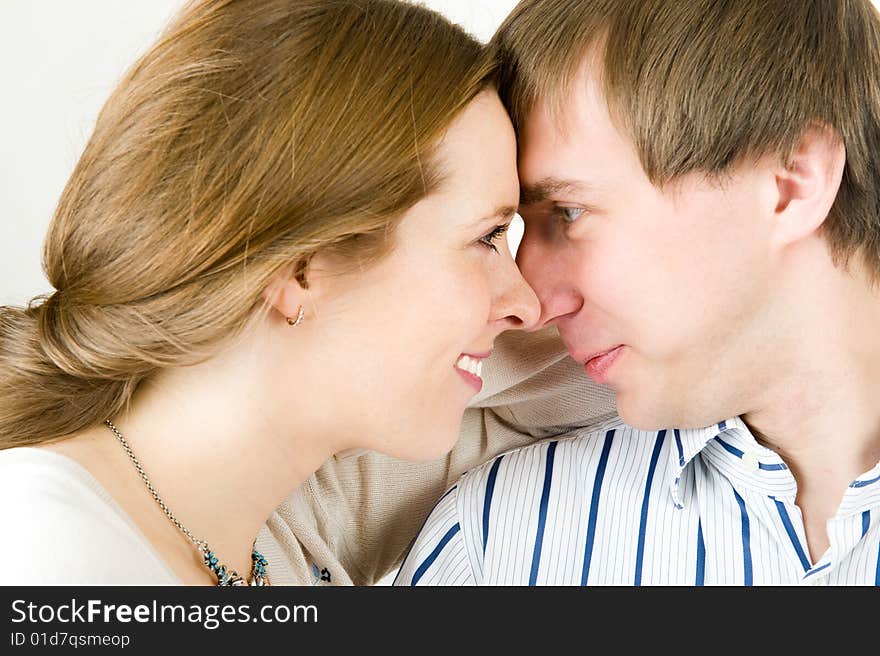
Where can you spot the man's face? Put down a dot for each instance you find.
(673, 285)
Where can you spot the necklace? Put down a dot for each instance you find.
(225, 576)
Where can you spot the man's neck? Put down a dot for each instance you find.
(822, 411)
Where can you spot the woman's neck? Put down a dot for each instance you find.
(218, 454)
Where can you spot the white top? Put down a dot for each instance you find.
(619, 506)
(61, 527)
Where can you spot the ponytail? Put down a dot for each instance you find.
(45, 392)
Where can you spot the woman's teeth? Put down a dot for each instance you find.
(470, 365)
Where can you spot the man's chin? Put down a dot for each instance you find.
(635, 414)
(642, 421)
(648, 414)
(658, 415)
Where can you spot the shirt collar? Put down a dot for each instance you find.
(688, 442)
(863, 493)
(731, 448)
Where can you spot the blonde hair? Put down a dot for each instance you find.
(251, 136)
(699, 84)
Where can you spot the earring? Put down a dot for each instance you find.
(299, 318)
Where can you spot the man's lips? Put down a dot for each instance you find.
(598, 354)
(598, 364)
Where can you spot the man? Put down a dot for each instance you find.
(701, 191)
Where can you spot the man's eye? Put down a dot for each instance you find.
(569, 214)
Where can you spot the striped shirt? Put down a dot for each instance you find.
(620, 506)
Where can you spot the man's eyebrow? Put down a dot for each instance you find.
(548, 187)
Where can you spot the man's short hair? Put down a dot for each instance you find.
(698, 85)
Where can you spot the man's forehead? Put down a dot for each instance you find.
(582, 88)
(574, 149)
(551, 159)
(553, 126)
(554, 157)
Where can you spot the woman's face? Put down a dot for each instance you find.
(398, 346)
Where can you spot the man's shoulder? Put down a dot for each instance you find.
(527, 463)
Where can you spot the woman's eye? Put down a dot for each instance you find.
(488, 240)
(569, 214)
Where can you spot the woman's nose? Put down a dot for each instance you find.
(517, 305)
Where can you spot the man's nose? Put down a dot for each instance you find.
(545, 269)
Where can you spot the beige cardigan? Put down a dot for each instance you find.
(354, 519)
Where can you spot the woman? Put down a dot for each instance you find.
(283, 241)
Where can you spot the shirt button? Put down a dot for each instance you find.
(750, 462)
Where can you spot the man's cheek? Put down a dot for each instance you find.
(617, 288)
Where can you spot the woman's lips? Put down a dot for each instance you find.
(598, 367)
(474, 381)
(470, 368)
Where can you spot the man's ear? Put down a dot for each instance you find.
(807, 184)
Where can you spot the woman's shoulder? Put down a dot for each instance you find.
(62, 527)
(35, 479)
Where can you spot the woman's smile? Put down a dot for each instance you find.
(470, 368)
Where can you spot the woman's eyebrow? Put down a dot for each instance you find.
(505, 213)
